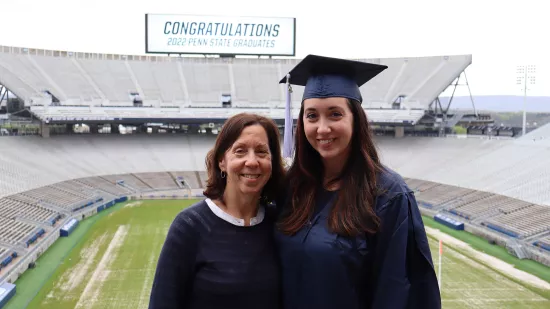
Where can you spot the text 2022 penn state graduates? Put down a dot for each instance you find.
(350, 234)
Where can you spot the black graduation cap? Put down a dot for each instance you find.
(325, 77)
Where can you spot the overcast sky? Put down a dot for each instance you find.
(499, 34)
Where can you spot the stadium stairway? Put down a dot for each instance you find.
(51, 207)
(517, 248)
(33, 222)
(201, 184)
(5, 244)
(531, 238)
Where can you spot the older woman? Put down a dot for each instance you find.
(219, 253)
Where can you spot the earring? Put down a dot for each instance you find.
(222, 174)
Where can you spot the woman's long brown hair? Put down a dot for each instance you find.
(353, 212)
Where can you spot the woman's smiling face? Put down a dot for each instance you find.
(247, 162)
(328, 126)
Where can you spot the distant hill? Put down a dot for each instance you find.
(500, 103)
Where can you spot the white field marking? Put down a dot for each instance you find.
(490, 260)
(460, 257)
(471, 290)
(133, 204)
(73, 277)
(147, 282)
(79, 271)
(91, 292)
(491, 300)
(481, 289)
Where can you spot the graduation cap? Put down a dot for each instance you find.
(325, 77)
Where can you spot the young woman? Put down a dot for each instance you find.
(219, 253)
(350, 233)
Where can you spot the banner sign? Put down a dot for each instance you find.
(220, 35)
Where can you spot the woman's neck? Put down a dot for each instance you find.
(333, 169)
(242, 206)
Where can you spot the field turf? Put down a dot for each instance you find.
(110, 259)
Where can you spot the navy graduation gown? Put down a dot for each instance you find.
(390, 270)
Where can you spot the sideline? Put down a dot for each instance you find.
(486, 259)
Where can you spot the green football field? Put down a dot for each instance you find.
(109, 262)
(469, 284)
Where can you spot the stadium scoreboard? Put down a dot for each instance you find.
(220, 35)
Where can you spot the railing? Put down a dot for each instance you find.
(480, 136)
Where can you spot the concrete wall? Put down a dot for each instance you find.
(540, 255)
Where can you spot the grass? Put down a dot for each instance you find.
(480, 244)
(127, 242)
(68, 275)
(469, 284)
(32, 280)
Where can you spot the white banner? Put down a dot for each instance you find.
(193, 34)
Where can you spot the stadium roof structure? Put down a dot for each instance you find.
(102, 86)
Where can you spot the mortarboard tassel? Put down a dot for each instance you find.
(289, 124)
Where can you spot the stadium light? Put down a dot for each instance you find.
(525, 77)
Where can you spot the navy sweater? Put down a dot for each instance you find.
(207, 262)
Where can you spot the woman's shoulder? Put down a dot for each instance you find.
(391, 185)
(192, 217)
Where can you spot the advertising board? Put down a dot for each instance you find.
(220, 35)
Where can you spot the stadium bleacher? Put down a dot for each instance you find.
(543, 243)
(489, 205)
(11, 208)
(467, 164)
(540, 136)
(3, 252)
(191, 179)
(512, 217)
(101, 86)
(64, 158)
(68, 199)
(158, 180)
(15, 232)
(104, 185)
(130, 181)
(525, 222)
(28, 213)
(497, 166)
(434, 195)
(503, 185)
(26, 216)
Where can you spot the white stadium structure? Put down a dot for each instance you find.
(499, 188)
(102, 87)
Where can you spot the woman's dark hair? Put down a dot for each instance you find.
(353, 212)
(230, 132)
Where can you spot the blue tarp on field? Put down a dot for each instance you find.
(450, 222)
(7, 290)
(68, 228)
